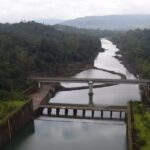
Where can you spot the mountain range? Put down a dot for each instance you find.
(111, 22)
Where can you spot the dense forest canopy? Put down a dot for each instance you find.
(135, 47)
(31, 47)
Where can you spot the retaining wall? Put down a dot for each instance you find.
(14, 122)
(129, 126)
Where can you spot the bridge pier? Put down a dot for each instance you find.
(90, 92)
(110, 114)
(120, 115)
(75, 112)
(83, 113)
(57, 111)
(66, 112)
(49, 111)
(101, 114)
(92, 113)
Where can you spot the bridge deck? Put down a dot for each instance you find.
(86, 80)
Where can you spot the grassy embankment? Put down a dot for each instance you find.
(141, 127)
(8, 107)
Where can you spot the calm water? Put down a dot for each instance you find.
(70, 135)
(48, 134)
(114, 95)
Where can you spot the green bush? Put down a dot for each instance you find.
(141, 126)
(6, 107)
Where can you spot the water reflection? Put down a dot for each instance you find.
(56, 135)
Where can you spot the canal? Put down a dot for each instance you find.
(66, 134)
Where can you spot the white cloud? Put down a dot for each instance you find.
(16, 10)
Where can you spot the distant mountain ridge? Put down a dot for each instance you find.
(111, 22)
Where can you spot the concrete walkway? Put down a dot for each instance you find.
(39, 95)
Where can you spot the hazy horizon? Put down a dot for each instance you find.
(18, 10)
(53, 20)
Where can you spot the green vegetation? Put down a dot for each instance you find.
(31, 48)
(135, 47)
(7, 107)
(141, 127)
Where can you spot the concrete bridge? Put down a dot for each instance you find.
(87, 80)
(91, 81)
(75, 108)
(79, 111)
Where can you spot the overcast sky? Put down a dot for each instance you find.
(16, 10)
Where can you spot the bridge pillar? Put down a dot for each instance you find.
(102, 114)
(83, 113)
(57, 111)
(92, 113)
(90, 92)
(120, 115)
(49, 111)
(110, 114)
(66, 112)
(75, 112)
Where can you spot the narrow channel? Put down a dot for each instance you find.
(55, 134)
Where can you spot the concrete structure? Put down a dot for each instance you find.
(57, 109)
(87, 80)
(91, 81)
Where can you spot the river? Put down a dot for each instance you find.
(66, 134)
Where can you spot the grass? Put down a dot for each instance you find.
(141, 126)
(7, 107)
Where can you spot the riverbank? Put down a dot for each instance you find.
(122, 76)
(129, 65)
(132, 68)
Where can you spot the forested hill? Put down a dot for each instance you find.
(32, 47)
(135, 46)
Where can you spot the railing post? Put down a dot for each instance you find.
(66, 112)
(90, 92)
(49, 111)
(120, 115)
(57, 111)
(102, 114)
(83, 113)
(92, 113)
(110, 114)
(75, 112)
